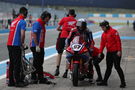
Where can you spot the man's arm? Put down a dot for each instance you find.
(60, 24)
(35, 29)
(69, 38)
(34, 36)
(23, 29)
(59, 28)
(22, 36)
(117, 37)
(118, 42)
(102, 44)
(90, 36)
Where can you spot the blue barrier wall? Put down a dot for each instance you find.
(28, 29)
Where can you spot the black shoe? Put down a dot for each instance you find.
(11, 85)
(34, 81)
(91, 80)
(102, 84)
(57, 72)
(90, 76)
(44, 81)
(65, 75)
(123, 85)
(21, 84)
(99, 80)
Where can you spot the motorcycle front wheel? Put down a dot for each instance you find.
(75, 74)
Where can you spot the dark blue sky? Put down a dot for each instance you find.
(126, 4)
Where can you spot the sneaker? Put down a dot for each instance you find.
(91, 80)
(57, 72)
(102, 84)
(90, 76)
(11, 85)
(99, 80)
(44, 81)
(123, 85)
(65, 75)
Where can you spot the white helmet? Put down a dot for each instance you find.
(80, 22)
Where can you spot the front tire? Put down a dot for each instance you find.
(75, 74)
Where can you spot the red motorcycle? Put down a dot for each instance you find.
(78, 58)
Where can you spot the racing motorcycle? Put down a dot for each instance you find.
(78, 58)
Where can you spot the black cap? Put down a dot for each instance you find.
(45, 14)
(23, 11)
(71, 12)
(104, 23)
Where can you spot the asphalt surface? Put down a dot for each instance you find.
(127, 63)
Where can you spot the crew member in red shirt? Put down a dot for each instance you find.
(67, 23)
(15, 41)
(111, 40)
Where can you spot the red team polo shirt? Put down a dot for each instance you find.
(39, 28)
(67, 24)
(18, 24)
(111, 40)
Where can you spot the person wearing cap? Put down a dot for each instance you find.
(15, 41)
(37, 42)
(111, 40)
(66, 23)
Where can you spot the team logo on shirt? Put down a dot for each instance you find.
(116, 33)
(71, 22)
(14, 23)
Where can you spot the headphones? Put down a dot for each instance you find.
(107, 26)
(105, 23)
(25, 13)
(74, 15)
(45, 14)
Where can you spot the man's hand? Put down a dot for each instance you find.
(23, 45)
(119, 53)
(37, 49)
(59, 29)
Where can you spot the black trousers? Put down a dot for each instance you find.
(15, 67)
(38, 63)
(96, 62)
(113, 58)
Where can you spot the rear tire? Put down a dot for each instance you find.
(75, 75)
